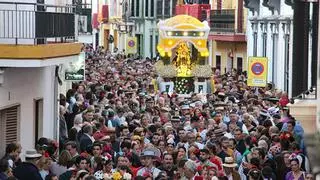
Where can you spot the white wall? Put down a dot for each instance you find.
(285, 9)
(85, 38)
(265, 15)
(146, 38)
(25, 85)
(94, 6)
(25, 1)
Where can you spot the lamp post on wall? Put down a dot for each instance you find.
(123, 27)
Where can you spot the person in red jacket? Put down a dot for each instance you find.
(284, 100)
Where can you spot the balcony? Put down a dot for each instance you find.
(222, 20)
(225, 27)
(304, 108)
(37, 31)
(198, 11)
(84, 10)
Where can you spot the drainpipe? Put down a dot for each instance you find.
(56, 106)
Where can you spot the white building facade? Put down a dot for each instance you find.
(270, 34)
(29, 70)
(146, 14)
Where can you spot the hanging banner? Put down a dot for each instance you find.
(131, 45)
(75, 70)
(257, 71)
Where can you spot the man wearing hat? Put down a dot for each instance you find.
(175, 121)
(149, 156)
(229, 169)
(28, 169)
(234, 119)
(276, 118)
(185, 109)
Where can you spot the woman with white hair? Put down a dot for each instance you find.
(190, 170)
(247, 120)
(77, 123)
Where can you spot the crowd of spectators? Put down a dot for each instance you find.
(117, 124)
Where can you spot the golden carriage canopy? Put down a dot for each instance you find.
(181, 29)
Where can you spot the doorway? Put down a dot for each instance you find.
(106, 39)
(239, 64)
(38, 121)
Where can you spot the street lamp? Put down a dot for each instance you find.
(122, 28)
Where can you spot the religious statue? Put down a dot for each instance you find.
(183, 60)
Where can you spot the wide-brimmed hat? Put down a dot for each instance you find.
(32, 153)
(219, 104)
(150, 152)
(218, 132)
(165, 109)
(272, 99)
(219, 108)
(222, 94)
(264, 112)
(229, 162)
(175, 119)
(185, 107)
(273, 110)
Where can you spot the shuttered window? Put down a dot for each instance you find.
(9, 119)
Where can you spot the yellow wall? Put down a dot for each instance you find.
(245, 16)
(229, 4)
(43, 51)
(232, 4)
(222, 48)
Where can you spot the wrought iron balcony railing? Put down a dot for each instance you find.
(223, 21)
(310, 94)
(38, 22)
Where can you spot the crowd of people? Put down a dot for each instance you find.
(117, 125)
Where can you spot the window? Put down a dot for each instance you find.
(38, 119)
(132, 8)
(274, 56)
(146, 9)
(218, 62)
(159, 8)
(167, 6)
(151, 46)
(219, 4)
(286, 61)
(152, 8)
(174, 3)
(264, 44)
(239, 63)
(157, 40)
(9, 119)
(255, 40)
(138, 8)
